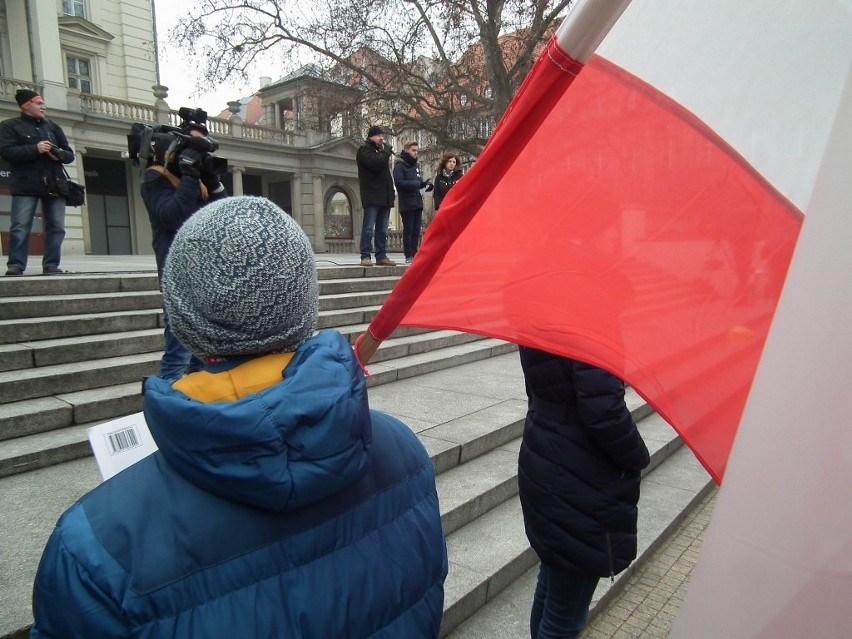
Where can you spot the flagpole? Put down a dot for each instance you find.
(583, 29)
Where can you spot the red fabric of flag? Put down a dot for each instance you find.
(607, 224)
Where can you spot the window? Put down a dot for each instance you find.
(338, 216)
(79, 76)
(463, 99)
(488, 92)
(74, 8)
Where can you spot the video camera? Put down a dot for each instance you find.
(166, 145)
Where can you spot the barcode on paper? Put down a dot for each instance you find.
(121, 440)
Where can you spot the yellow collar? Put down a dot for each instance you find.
(234, 384)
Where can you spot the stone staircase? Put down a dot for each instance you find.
(74, 349)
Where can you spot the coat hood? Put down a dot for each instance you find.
(291, 444)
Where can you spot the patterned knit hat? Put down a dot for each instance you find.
(240, 279)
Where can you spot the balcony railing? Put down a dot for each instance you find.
(123, 110)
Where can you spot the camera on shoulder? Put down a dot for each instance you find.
(185, 149)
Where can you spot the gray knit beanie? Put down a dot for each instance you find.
(240, 279)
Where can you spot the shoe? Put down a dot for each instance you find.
(385, 262)
(14, 271)
(366, 262)
(53, 270)
(409, 260)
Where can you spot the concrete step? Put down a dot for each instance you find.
(491, 555)
(52, 305)
(39, 430)
(87, 283)
(45, 328)
(82, 284)
(57, 379)
(79, 348)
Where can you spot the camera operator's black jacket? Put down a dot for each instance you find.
(169, 207)
(374, 175)
(406, 176)
(34, 173)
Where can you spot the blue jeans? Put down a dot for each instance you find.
(376, 220)
(176, 359)
(23, 211)
(561, 603)
(411, 223)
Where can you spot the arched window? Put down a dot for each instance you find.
(338, 216)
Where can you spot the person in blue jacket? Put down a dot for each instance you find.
(578, 476)
(278, 503)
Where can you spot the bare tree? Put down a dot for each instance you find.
(449, 67)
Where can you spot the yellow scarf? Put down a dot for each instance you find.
(234, 384)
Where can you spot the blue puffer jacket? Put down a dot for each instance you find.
(579, 466)
(281, 514)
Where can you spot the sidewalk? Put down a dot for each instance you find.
(650, 601)
(644, 608)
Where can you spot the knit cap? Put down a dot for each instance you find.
(22, 96)
(240, 279)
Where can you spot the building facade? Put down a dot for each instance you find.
(95, 64)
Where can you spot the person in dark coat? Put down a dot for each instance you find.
(408, 181)
(377, 195)
(172, 192)
(446, 176)
(578, 476)
(36, 148)
(277, 504)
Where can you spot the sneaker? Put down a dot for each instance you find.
(408, 260)
(385, 262)
(366, 262)
(14, 271)
(53, 270)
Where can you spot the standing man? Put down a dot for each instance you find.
(377, 195)
(36, 148)
(173, 189)
(408, 181)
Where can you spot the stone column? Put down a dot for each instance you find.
(48, 61)
(318, 234)
(296, 198)
(20, 64)
(237, 179)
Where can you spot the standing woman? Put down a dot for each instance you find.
(578, 479)
(446, 175)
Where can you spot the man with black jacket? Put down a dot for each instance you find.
(36, 148)
(377, 195)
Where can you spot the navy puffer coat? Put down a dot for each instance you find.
(579, 466)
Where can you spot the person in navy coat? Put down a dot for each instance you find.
(578, 475)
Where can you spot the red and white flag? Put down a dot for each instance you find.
(776, 562)
(637, 208)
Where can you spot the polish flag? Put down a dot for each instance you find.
(776, 562)
(638, 205)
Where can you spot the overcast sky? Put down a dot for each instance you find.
(180, 74)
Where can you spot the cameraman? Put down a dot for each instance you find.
(178, 182)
